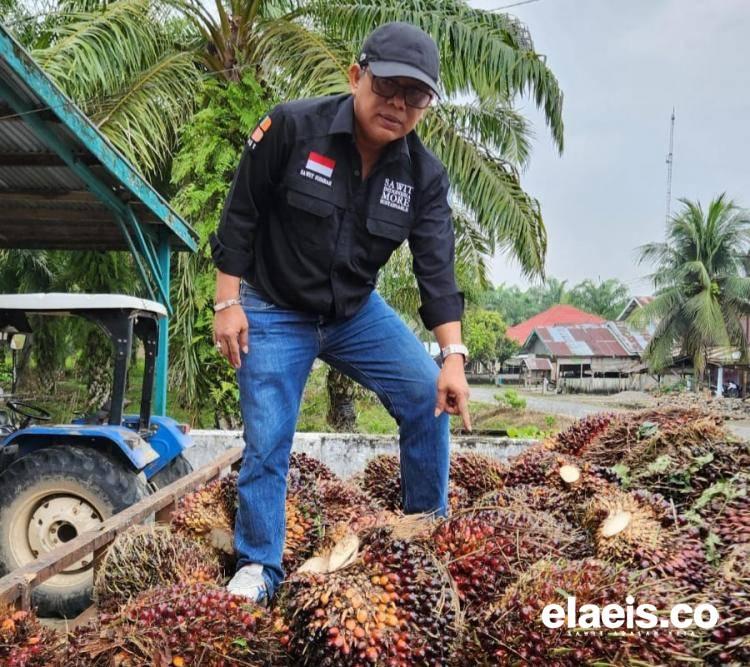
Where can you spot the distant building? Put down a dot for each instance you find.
(634, 303)
(591, 357)
(554, 316)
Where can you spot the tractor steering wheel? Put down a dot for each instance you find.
(29, 411)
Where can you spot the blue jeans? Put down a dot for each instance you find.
(375, 348)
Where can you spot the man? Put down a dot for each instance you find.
(325, 191)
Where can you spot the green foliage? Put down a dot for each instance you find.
(484, 335)
(211, 145)
(511, 398)
(702, 288)
(606, 299)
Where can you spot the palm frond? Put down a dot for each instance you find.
(490, 188)
(299, 61)
(494, 125)
(144, 119)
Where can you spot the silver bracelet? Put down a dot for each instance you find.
(225, 304)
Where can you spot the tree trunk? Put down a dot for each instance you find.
(342, 414)
(97, 370)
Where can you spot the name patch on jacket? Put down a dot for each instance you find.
(396, 195)
(318, 168)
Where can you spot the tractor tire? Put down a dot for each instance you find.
(48, 498)
(178, 467)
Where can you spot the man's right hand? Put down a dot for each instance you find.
(231, 331)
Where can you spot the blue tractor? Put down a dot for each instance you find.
(60, 480)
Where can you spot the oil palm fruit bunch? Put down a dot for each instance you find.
(303, 530)
(724, 510)
(581, 433)
(546, 504)
(177, 625)
(345, 617)
(389, 603)
(476, 474)
(145, 557)
(306, 472)
(211, 507)
(681, 462)
(642, 530)
(540, 465)
(420, 586)
(343, 501)
(23, 640)
(510, 630)
(381, 479)
(485, 549)
(637, 431)
(729, 642)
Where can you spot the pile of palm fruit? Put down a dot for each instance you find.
(653, 505)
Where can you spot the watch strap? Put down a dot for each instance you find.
(226, 304)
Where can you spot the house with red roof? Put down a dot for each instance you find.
(555, 316)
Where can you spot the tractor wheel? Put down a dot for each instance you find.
(48, 498)
(178, 467)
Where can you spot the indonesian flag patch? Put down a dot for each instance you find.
(320, 164)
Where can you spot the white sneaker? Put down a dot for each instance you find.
(249, 582)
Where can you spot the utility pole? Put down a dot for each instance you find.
(670, 160)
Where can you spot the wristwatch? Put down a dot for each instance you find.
(455, 348)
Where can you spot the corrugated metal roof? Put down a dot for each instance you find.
(44, 203)
(559, 314)
(610, 339)
(537, 364)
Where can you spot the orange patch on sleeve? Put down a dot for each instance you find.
(265, 123)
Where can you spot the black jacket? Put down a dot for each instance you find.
(301, 226)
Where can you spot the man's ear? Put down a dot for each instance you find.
(355, 72)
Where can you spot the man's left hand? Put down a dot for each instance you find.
(453, 390)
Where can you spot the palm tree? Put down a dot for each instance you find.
(702, 289)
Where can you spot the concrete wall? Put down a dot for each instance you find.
(346, 453)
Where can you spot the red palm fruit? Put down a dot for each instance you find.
(726, 513)
(510, 630)
(345, 617)
(476, 474)
(303, 530)
(420, 586)
(24, 642)
(305, 472)
(178, 625)
(579, 435)
(728, 643)
(636, 432)
(213, 506)
(381, 479)
(485, 549)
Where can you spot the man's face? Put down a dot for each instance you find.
(382, 119)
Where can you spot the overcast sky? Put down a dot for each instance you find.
(623, 65)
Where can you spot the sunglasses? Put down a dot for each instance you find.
(414, 96)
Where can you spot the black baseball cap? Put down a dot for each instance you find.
(402, 49)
